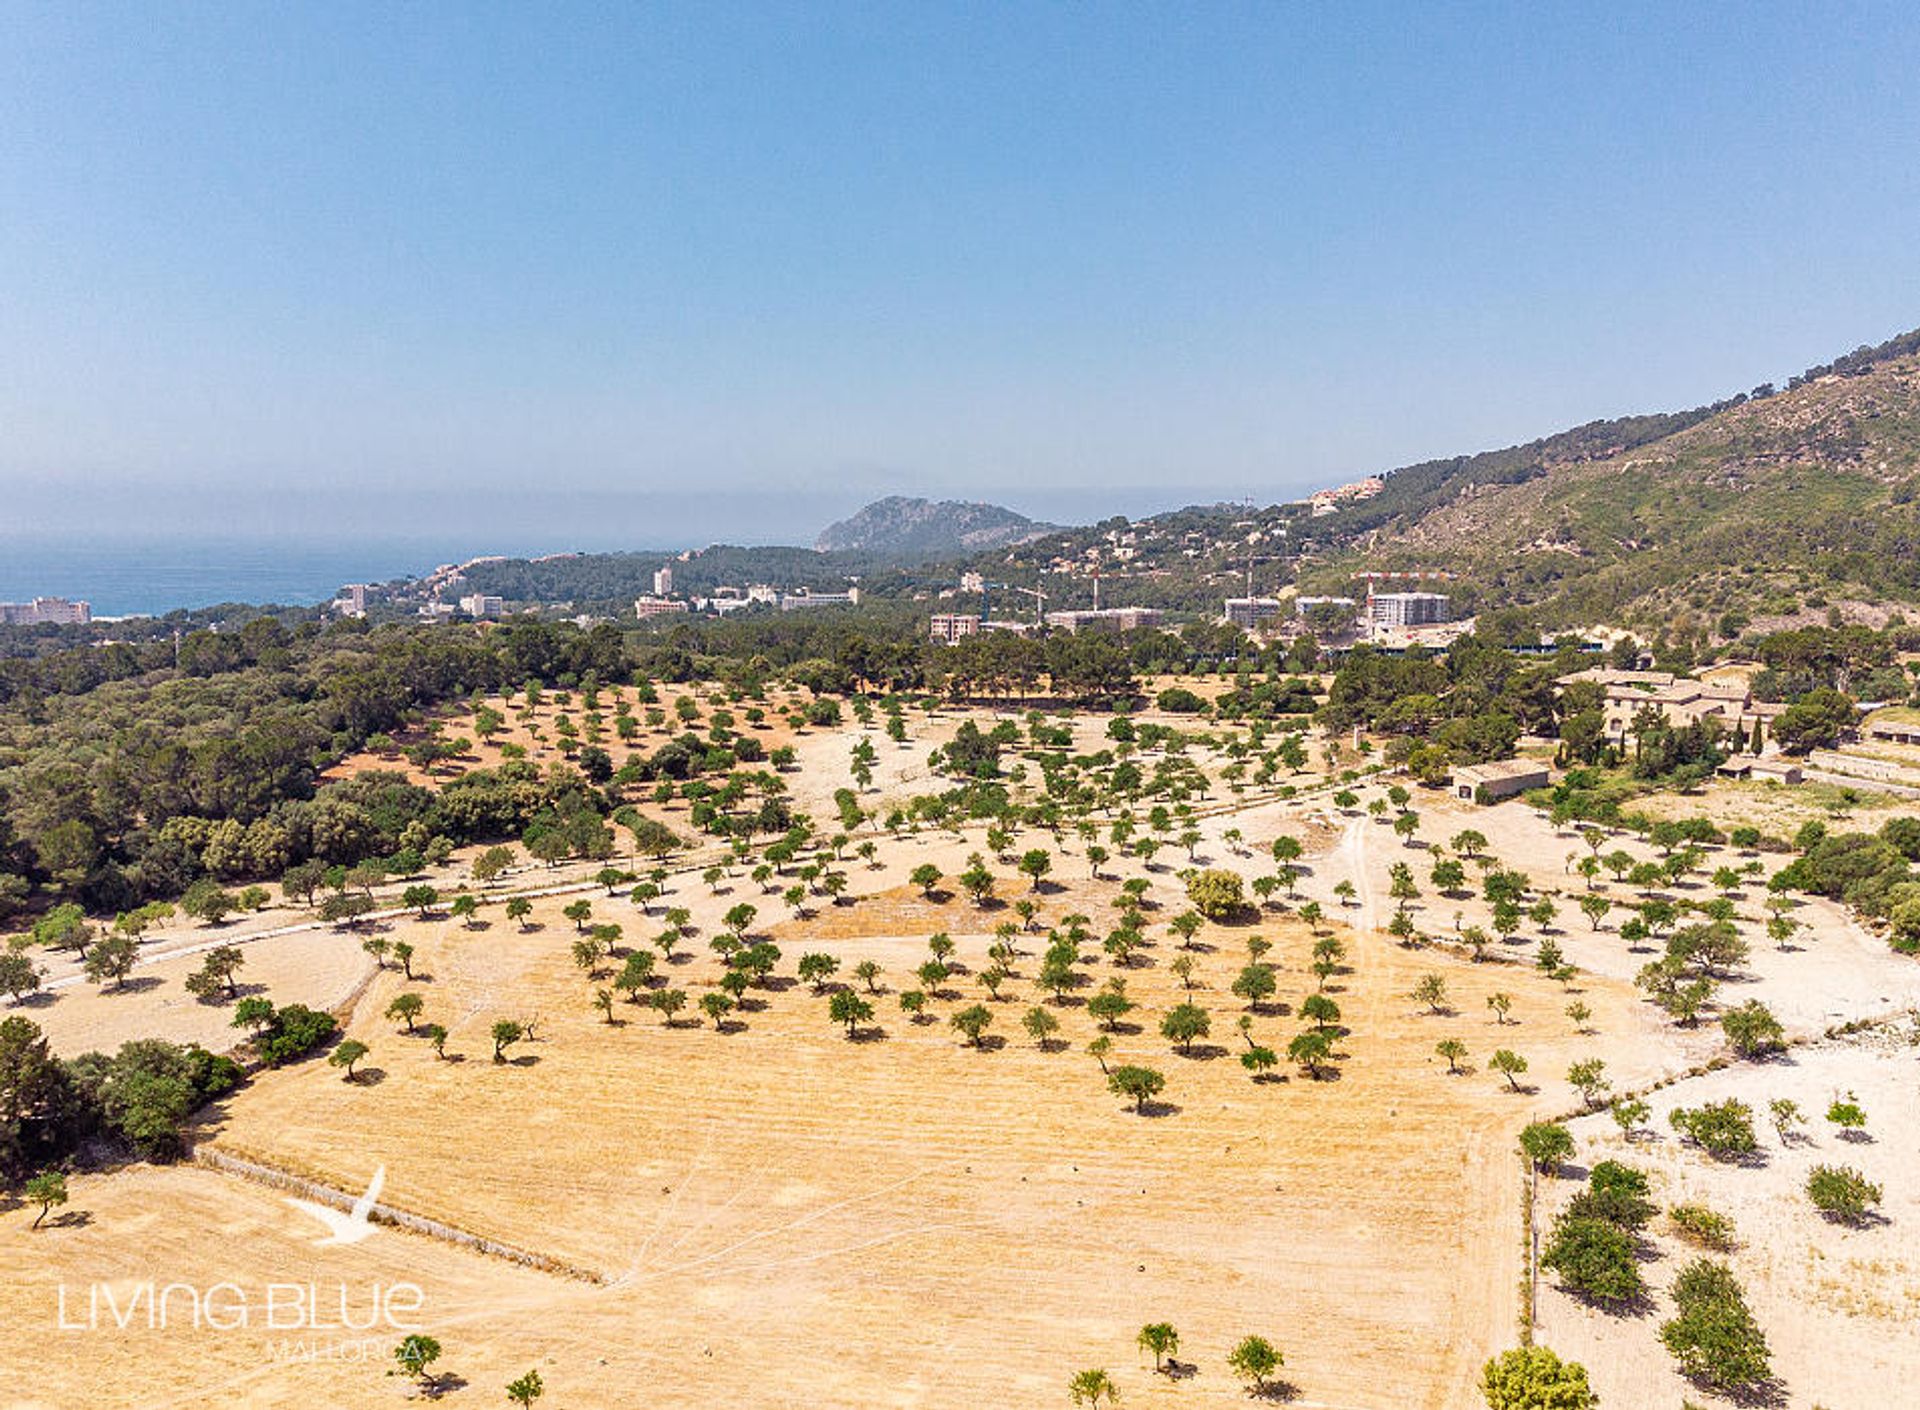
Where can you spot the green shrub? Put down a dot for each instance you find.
(1753, 1030)
(1842, 1193)
(1533, 1378)
(1616, 1194)
(295, 1031)
(1713, 1334)
(1723, 1129)
(1594, 1258)
(1700, 1225)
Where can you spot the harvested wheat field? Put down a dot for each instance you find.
(778, 1215)
(281, 1322)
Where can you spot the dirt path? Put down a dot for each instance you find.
(1485, 1266)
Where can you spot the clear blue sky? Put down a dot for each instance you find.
(650, 273)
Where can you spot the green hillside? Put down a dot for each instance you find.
(1773, 508)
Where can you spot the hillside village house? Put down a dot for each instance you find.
(1681, 699)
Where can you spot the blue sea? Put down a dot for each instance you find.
(128, 577)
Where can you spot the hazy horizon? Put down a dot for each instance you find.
(703, 273)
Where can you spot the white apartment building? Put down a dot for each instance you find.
(1408, 609)
(1248, 613)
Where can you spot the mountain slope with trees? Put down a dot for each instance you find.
(1766, 508)
(899, 527)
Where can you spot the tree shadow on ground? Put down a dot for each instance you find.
(1274, 1392)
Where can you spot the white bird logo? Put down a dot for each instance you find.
(347, 1227)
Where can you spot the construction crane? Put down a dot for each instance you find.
(1253, 558)
(988, 588)
(1412, 575)
(1039, 597)
(1439, 574)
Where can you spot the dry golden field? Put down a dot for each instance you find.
(776, 1215)
(773, 1215)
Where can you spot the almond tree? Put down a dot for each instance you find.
(1431, 990)
(506, 1032)
(849, 1008)
(406, 1007)
(216, 972)
(1093, 1387)
(1183, 1023)
(1139, 1084)
(1040, 1025)
(973, 1022)
(1254, 1359)
(48, 1189)
(1510, 1064)
(1310, 1049)
(346, 1055)
(1161, 1339)
(667, 1003)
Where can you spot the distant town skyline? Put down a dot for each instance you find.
(599, 277)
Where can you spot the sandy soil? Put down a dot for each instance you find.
(1778, 810)
(315, 966)
(1840, 1306)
